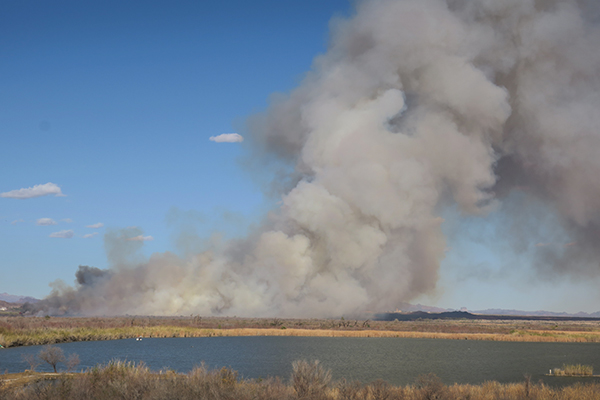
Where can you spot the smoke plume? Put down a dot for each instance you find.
(417, 106)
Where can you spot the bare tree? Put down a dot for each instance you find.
(72, 361)
(32, 360)
(52, 355)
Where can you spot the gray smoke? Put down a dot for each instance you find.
(418, 105)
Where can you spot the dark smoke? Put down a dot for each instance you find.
(88, 275)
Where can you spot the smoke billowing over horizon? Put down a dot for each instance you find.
(417, 106)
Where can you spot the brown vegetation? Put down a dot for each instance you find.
(574, 370)
(23, 331)
(123, 380)
(308, 380)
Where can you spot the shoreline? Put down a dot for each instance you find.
(53, 336)
(526, 336)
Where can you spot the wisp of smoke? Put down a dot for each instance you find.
(417, 105)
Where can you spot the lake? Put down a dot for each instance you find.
(396, 360)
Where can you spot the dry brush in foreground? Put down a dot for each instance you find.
(309, 381)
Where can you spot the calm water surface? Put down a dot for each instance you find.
(396, 360)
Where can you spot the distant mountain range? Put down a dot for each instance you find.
(422, 315)
(409, 308)
(402, 308)
(541, 313)
(11, 298)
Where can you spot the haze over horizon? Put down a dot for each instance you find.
(269, 159)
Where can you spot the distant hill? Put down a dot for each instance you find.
(11, 298)
(408, 308)
(419, 315)
(540, 313)
(5, 304)
(413, 308)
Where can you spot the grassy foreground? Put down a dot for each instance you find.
(25, 331)
(122, 380)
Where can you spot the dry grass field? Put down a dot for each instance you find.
(23, 331)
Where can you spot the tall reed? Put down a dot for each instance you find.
(574, 370)
(127, 380)
(24, 331)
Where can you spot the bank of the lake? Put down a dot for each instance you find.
(398, 361)
(308, 381)
(27, 331)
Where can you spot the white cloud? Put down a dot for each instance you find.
(89, 235)
(67, 220)
(227, 138)
(35, 191)
(140, 238)
(16, 221)
(95, 226)
(45, 221)
(62, 234)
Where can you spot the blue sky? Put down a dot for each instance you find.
(115, 101)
